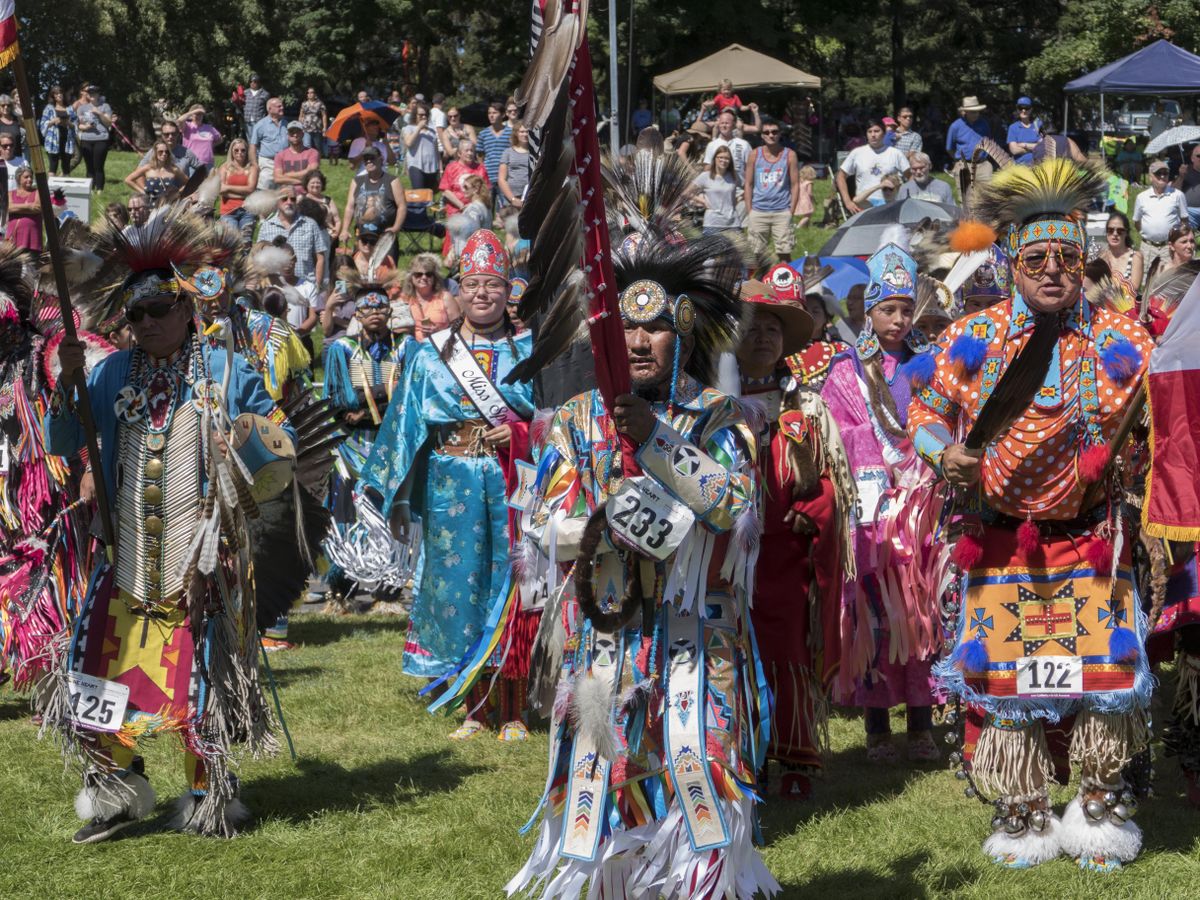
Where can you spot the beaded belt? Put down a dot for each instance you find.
(462, 439)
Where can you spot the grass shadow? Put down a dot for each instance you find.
(321, 786)
(16, 708)
(285, 677)
(319, 631)
(872, 783)
(863, 884)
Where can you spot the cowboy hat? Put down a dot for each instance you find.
(972, 104)
(797, 323)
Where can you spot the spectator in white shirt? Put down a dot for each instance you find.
(738, 147)
(868, 164)
(1156, 212)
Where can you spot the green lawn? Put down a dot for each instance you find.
(381, 804)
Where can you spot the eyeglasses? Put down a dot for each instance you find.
(167, 134)
(1159, 173)
(153, 310)
(511, 112)
(1117, 230)
(1069, 259)
(6, 146)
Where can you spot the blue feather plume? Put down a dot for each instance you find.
(971, 656)
(969, 352)
(920, 369)
(1121, 359)
(1123, 644)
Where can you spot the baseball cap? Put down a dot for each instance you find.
(295, 126)
(368, 229)
(254, 76)
(1159, 166)
(1024, 101)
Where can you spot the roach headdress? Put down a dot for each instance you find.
(1038, 203)
(139, 262)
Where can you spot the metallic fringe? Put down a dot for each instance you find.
(236, 712)
(1012, 761)
(1102, 744)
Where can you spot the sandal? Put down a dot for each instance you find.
(880, 749)
(466, 730)
(922, 747)
(513, 731)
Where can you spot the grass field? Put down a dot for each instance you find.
(382, 805)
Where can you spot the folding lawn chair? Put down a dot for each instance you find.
(421, 231)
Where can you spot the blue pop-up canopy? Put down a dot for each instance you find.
(1160, 68)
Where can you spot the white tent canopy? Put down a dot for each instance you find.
(746, 68)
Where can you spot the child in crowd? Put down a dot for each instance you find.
(804, 200)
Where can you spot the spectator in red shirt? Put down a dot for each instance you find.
(725, 99)
(296, 163)
(453, 190)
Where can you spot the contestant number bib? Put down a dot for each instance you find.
(96, 704)
(644, 514)
(1050, 676)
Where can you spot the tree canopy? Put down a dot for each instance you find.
(869, 52)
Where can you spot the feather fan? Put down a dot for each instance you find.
(1017, 385)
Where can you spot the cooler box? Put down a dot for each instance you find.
(79, 195)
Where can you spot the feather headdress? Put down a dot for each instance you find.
(174, 239)
(1018, 199)
(707, 270)
(647, 190)
(16, 283)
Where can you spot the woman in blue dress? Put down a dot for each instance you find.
(436, 459)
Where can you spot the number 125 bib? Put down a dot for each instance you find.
(643, 513)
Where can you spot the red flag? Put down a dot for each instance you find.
(8, 34)
(1172, 507)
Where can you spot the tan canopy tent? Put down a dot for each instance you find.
(746, 68)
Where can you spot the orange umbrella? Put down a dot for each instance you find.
(347, 124)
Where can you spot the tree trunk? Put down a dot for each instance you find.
(898, 92)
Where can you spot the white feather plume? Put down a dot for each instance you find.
(271, 260)
(261, 203)
(592, 714)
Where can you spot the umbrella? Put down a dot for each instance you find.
(861, 233)
(1173, 137)
(847, 272)
(348, 123)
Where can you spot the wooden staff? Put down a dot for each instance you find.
(82, 404)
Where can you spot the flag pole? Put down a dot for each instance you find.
(83, 406)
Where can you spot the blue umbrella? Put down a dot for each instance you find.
(847, 272)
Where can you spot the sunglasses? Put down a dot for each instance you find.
(1115, 230)
(767, 131)
(153, 310)
(6, 146)
(422, 274)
